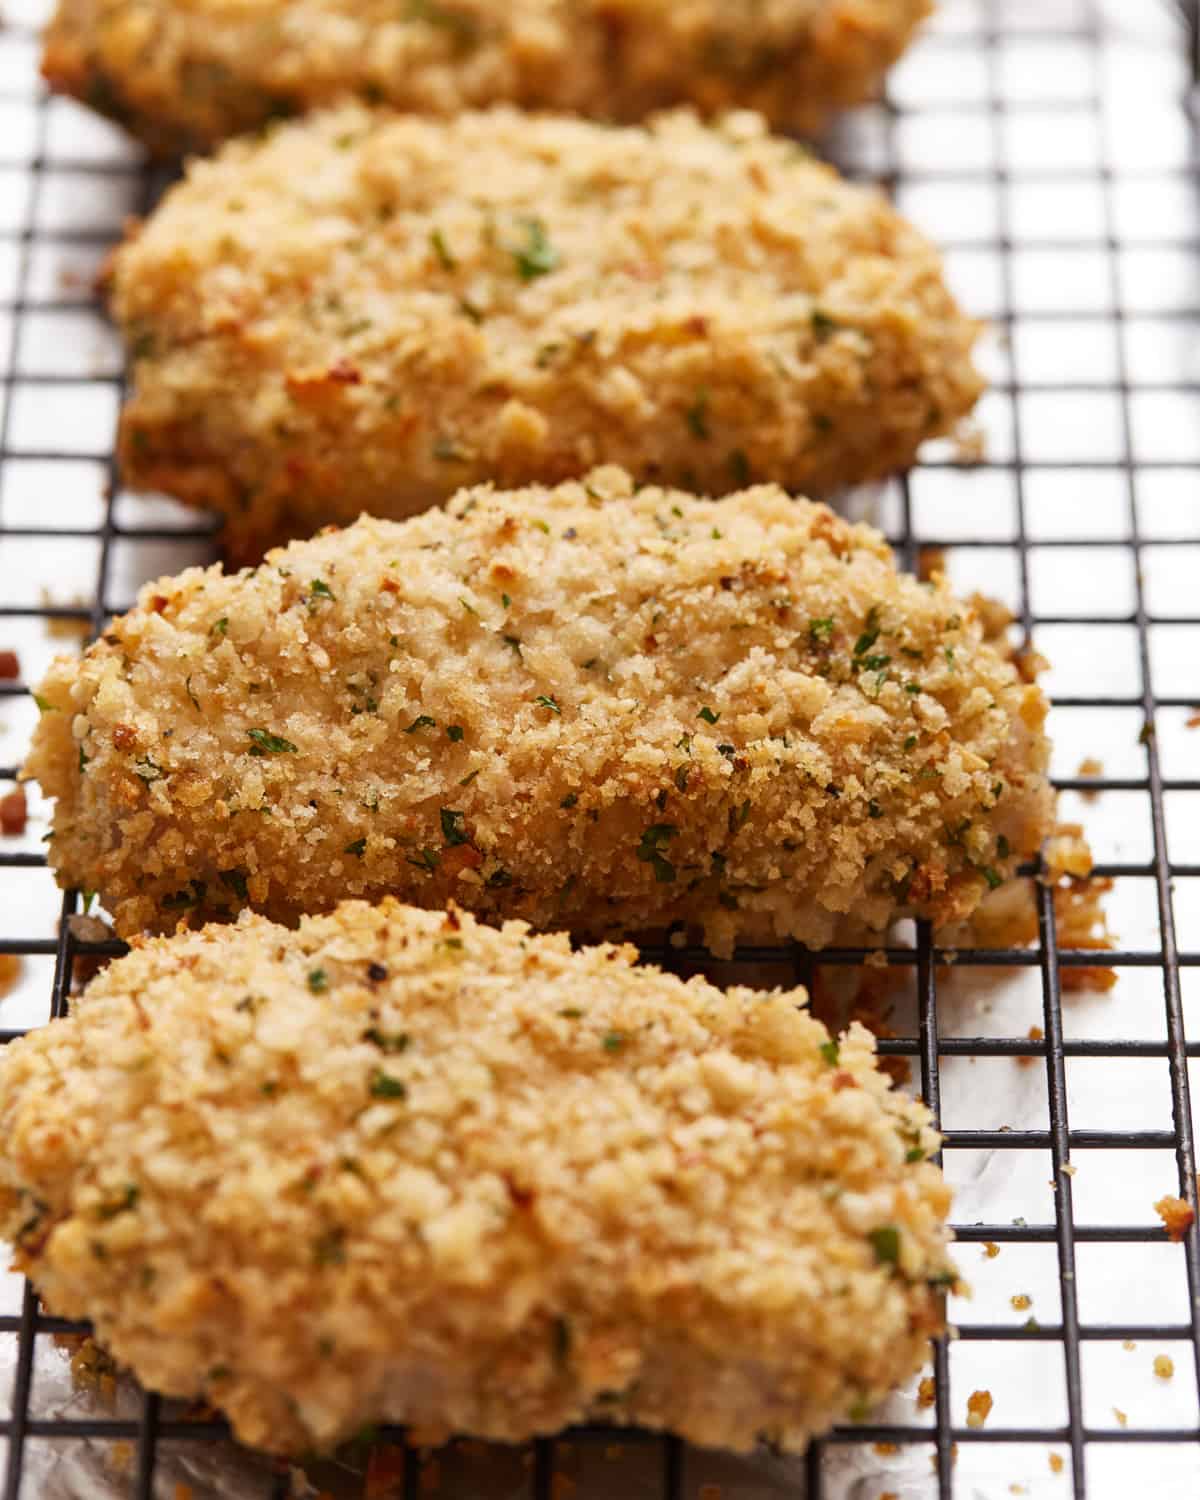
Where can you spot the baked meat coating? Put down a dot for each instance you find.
(368, 313)
(594, 708)
(184, 74)
(399, 1166)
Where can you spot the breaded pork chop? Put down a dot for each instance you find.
(590, 707)
(365, 312)
(184, 74)
(397, 1165)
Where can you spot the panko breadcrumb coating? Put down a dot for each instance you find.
(588, 707)
(184, 74)
(396, 1165)
(367, 313)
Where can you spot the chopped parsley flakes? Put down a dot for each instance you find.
(266, 743)
(537, 256)
(654, 840)
(453, 826)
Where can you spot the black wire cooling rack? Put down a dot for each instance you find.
(1069, 209)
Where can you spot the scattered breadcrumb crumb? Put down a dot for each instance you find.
(1067, 852)
(1069, 1169)
(1018, 1489)
(930, 562)
(183, 1491)
(1090, 766)
(14, 812)
(1021, 1301)
(970, 444)
(886, 1450)
(120, 1456)
(66, 627)
(996, 618)
(1056, 1463)
(10, 970)
(93, 1369)
(1164, 1366)
(979, 1408)
(889, 1495)
(1036, 1034)
(1192, 721)
(1177, 1215)
(1030, 663)
(1128, 1344)
(10, 666)
(926, 1392)
(991, 1249)
(1122, 1418)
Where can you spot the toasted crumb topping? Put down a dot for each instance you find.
(589, 707)
(183, 74)
(473, 1181)
(366, 312)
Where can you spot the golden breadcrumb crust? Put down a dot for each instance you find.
(366, 312)
(184, 74)
(397, 1165)
(588, 707)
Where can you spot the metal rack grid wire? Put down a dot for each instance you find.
(1002, 163)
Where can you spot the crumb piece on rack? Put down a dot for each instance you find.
(120, 1456)
(66, 627)
(1090, 766)
(995, 618)
(886, 1450)
(991, 1249)
(979, 1408)
(1177, 1215)
(10, 666)
(1122, 1418)
(1018, 1489)
(970, 443)
(889, 1495)
(1079, 906)
(1030, 663)
(1067, 852)
(876, 959)
(14, 812)
(1056, 1463)
(1035, 1034)
(926, 1393)
(1069, 1169)
(930, 562)
(1128, 1344)
(1193, 720)
(10, 969)
(1021, 1301)
(94, 1369)
(1164, 1366)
